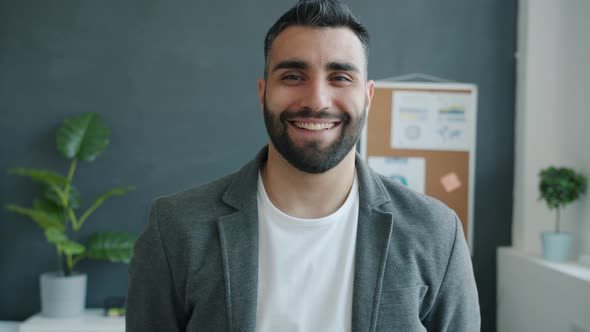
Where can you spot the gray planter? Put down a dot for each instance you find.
(62, 296)
(556, 246)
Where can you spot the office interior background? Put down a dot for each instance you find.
(176, 83)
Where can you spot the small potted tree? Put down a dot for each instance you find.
(63, 292)
(559, 187)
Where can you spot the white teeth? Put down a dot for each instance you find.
(315, 126)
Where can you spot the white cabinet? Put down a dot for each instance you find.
(535, 295)
(92, 320)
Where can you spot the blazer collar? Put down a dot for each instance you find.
(241, 194)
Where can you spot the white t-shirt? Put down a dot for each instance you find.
(305, 268)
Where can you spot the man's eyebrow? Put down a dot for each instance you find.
(342, 66)
(290, 64)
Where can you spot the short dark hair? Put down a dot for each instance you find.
(316, 14)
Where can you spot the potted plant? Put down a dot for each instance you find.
(559, 187)
(63, 292)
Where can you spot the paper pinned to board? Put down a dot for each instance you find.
(410, 172)
(426, 120)
(451, 182)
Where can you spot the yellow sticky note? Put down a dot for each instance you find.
(450, 182)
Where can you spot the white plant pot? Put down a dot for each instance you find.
(62, 296)
(556, 246)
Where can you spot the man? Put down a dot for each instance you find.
(305, 237)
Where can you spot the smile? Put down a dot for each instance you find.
(314, 126)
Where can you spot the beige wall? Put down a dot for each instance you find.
(552, 114)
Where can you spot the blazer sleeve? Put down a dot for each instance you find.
(456, 307)
(152, 302)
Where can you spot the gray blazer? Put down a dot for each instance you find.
(195, 266)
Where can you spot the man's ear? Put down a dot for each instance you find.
(261, 87)
(369, 93)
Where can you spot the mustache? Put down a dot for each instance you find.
(308, 113)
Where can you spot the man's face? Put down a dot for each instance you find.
(315, 96)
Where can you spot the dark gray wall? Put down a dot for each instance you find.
(176, 82)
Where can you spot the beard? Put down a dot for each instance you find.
(312, 157)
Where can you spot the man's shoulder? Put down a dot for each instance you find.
(231, 188)
(418, 211)
(199, 203)
(205, 193)
(406, 198)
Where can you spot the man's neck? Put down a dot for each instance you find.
(306, 195)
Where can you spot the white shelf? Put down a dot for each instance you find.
(93, 320)
(571, 268)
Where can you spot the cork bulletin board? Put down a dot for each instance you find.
(427, 129)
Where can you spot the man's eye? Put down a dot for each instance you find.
(341, 79)
(292, 78)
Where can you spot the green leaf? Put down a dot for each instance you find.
(49, 208)
(119, 191)
(98, 202)
(72, 248)
(75, 199)
(83, 137)
(54, 235)
(43, 219)
(40, 175)
(111, 246)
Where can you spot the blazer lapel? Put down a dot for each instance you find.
(373, 233)
(239, 247)
(372, 245)
(238, 234)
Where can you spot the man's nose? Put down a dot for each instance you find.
(317, 96)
